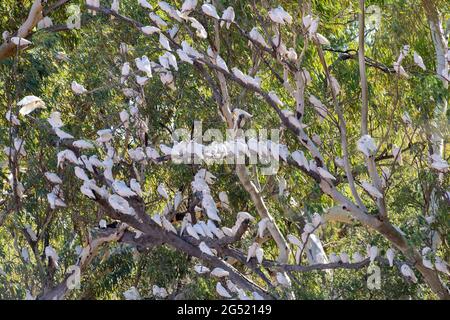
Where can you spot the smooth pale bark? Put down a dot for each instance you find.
(8, 49)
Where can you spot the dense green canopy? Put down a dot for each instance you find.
(94, 55)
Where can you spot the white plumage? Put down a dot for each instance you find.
(222, 291)
(122, 189)
(219, 273)
(210, 10)
(78, 88)
(29, 104)
(371, 189)
(228, 17)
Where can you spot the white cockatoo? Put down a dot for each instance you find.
(20, 42)
(55, 120)
(120, 204)
(143, 64)
(408, 272)
(257, 37)
(366, 144)
(145, 4)
(228, 17)
(371, 189)
(149, 30)
(78, 88)
(205, 249)
(390, 253)
(29, 104)
(157, 20)
(314, 251)
(132, 294)
(280, 16)
(210, 10)
(419, 61)
(201, 269)
(222, 291)
(122, 189)
(219, 273)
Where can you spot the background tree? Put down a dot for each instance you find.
(367, 111)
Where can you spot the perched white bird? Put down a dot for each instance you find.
(366, 144)
(322, 40)
(162, 191)
(120, 204)
(334, 258)
(357, 257)
(408, 272)
(280, 16)
(62, 134)
(29, 104)
(115, 4)
(371, 189)
(251, 252)
(201, 269)
(228, 17)
(259, 254)
(20, 42)
(200, 30)
(191, 231)
(224, 201)
(188, 6)
(219, 273)
(31, 233)
(164, 42)
(325, 174)
(262, 225)
(132, 294)
(54, 201)
(315, 252)
(157, 20)
(390, 256)
(136, 187)
(372, 253)
(159, 292)
(205, 249)
(167, 225)
(344, 257)
(438, 163)
(25, 254)
(149, 30)
(283, 279)
(78, 88)
(441, 266)
(210, 206)
(210, 10)
(53, 178)
(300, 158)
(66, 155)
(419, 61)
(81, 174)
(122, 189)
(145, 4)
(257, 37)
(51, 253)
(143, 64)
(222, 291)
(83, 144)
(55, 120)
